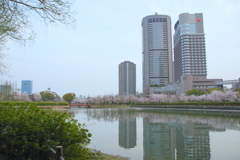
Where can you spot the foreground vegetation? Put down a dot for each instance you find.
(28, 131)
(22, 103)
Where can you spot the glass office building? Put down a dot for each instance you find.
(157, 51)
(26, 87)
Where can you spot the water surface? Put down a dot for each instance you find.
(157, 134)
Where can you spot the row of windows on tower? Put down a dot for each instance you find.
(182, 37)
(157, 20)
(193, 42)
(192, 46)
(194, 73)
(193, 39)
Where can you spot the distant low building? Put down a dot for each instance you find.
(236, 85)
(188, 82)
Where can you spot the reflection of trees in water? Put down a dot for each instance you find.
(111, 114)
(215, 122)
(218, 121)
(71, 112)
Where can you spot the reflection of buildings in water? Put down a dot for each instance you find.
(160, 116)
(158, 141)
(193, 141)
(127, 136)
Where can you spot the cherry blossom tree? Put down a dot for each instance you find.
(158, 98)
(36, 97)
(80, 100)
(183, 98)
(120, 99)
(230, 96)
(142, 100)
(24, 97)
(201, 98)
(172, 99)
(215, 96)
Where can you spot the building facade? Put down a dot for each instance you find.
(27, 87)
(127, 78)
(190, 67)
(189, 47)
(157, 51)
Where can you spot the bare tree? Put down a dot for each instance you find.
(15, 16)
(15, 23)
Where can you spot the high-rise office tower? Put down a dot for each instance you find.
(127, 78)
(26, 87)
(157, 51)
(189, 47)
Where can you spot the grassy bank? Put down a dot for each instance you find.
(113, 157)
(98, 155)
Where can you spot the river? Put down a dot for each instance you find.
(159, 134)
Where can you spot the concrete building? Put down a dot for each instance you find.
(190, 67)
(27, 87)
(236, 85)
(127, 78)
(189, 47)
(157, 51)
(189, 82)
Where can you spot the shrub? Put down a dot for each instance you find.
(20, 103)
(27, 133)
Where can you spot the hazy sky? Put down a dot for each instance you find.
(85, 60)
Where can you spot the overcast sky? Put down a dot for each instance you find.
(85, 60)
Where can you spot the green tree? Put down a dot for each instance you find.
(28, 132)
(69, 97)
(237, 90)
(213, 89)
(49, 96)
(195, 92)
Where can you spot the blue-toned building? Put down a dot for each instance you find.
(27, 87)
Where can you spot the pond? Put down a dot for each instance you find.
(158, 134)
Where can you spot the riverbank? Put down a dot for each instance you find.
(189, 107)
(93, 106)
(113, 157)
(104, 156)
(110, 106)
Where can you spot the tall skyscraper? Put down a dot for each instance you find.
(189, 47)
(127, 78)
(26, 87)
(157, 51)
